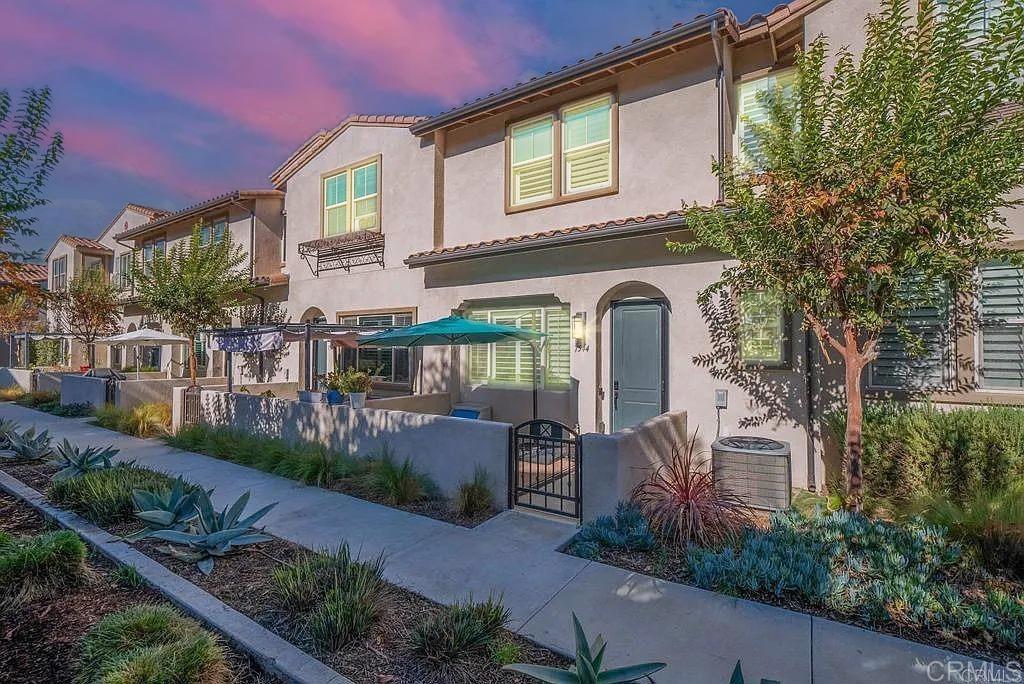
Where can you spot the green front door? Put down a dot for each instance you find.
(638, 362)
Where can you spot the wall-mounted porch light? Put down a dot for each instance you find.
(579, 330)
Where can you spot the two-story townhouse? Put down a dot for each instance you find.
(24, 276)
(254, 221)
(71, 255)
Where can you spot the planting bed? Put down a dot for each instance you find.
(39, 642)
(244, 581)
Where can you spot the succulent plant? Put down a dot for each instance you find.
(6, 428)
(587, 670)
(78, 461)
(29, 445)
(214, 534)
(172, 509)
(737, 676)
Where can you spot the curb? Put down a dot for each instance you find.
(275, 655)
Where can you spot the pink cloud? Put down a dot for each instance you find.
(119, 150)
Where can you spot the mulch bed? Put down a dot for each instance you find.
(670, 564)
(40, 642)
(243, 582)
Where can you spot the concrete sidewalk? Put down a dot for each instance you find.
(700, 634)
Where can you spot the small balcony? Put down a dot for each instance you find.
(344, 251)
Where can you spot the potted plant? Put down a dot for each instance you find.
(334, 383)
(356, 384)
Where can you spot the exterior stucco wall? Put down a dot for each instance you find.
(668, 120)
(16, 377)
(78, 389)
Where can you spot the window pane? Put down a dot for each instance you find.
(896, 367)
(364, 181)
(532, 140)
(337, 220)
(365, 214)
(511, 363)
(335, 190)
(1002, 327)
(761, 328)
(587, 124)
(752, 111)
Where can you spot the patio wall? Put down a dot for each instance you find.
(612, 465)
(79, 389)
(447, 449)
(49, 381)
(132, 393)
(281, 390)
(437, 403)
(20, 377)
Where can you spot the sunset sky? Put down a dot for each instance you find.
(167, 102)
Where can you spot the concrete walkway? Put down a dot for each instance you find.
(700, 634)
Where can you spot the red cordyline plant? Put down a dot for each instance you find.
(683, 504)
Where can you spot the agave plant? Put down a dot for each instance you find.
(214, 534)
(587, 670)
(28, 445)
(685, 505)
(737, 676)
(6, 428)
(78, 461)
(172, 509)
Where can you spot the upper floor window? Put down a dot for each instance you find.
(59, 274)
(752, 111)
(563, 155)
(151, 250)
(212, 233)
(350, 199)
(123, 270)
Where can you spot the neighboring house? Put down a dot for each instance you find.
(254, 221)
(32, 275)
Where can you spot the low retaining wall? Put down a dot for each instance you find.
(281, 390)
(132, 393)
(612, 465)
(79, 389)
(16, 377)
(438, 403)
(49, 381)
(447, 449)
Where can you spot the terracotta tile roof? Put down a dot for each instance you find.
(316, 142)
(667, 221)
(197, 208)
(150, 212)
(24, 272)
(79, 242)
(635, 48)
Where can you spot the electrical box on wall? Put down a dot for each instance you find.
(721, 398)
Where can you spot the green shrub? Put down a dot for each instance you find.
(459, 632)
(35, 398)
(152, 644)
(627, 530)
(990, 523)
(396, 483)
(128, 576)
(475, 497)
(334, 597)
(882, 571)
(105, 496)
(145, 420)
(12, 393)
(78, 410)
(915, 451)
(40, 566)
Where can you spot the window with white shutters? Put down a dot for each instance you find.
(587, 145)
(511, 363)
(1001, 344)
(575, 143)
(762, 330)
(752, 111)
(897, 368)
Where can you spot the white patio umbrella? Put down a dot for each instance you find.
(143, 337)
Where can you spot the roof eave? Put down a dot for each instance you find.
(201, 208)
(624, 53)
(647, 228)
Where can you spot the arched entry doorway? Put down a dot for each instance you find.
(318, 364)
(632, 354)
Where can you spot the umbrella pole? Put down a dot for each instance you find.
(136, 362)
(533, 349)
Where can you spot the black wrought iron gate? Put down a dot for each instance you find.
(544, 468)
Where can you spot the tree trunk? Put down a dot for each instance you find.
(192, 359)
(855, 363)
(90, 354)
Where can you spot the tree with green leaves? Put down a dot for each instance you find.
(28, 154)
(88, 309)
(880, 186)
(193, 285)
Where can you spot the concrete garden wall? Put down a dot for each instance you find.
(437, 403)
(16, 377)
(612, 465)
(132, 393)
(447, 449)
(79, 389)
(49, 381)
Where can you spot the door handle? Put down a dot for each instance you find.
(615, 395)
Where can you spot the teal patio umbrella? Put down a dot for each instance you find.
(457, 330)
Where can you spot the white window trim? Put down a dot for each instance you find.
(542, 350)
(350, 198)
(737, 134)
